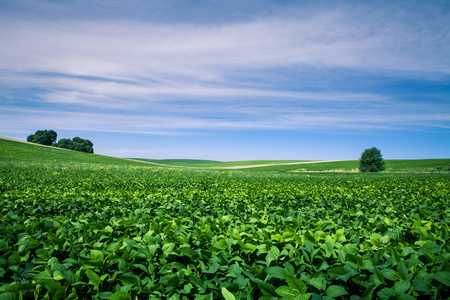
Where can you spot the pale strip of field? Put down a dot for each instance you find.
(280, 164)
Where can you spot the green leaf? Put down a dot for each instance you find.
(55, 288)
(42, 277)
(429, 249)
(16, 287)
(276, 272)
(266, 289)
(120, 296)
(195, 280)
(171, 280)
(367, 295)
(387, 293)
(221, 244)
(289, 269)
(105, 295)
(97, 255)
(395, 256)
(402, 271)
(188, 252)
(339, 270)
(69, 276)
(378, 276)
(286, 292)
(227, 295)
(187, 288)
(269, 258)
(319, 283)
(204, 297)
(390, 274)
(43, 253)
(95, 261)
(423, 286)
(130, 278)
(296, 284)
(443, 277)
(168, 247)
(8, 296)
(402, 286)
(249, 247)
(275, 251)
(130, 242)
(94, 279)
(213, 268)
(336, 291)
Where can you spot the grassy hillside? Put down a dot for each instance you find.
(16, 151)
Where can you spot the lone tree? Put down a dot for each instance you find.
(371, 161)
(43, 137)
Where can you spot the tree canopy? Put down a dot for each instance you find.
(48, 137)
(43, 137)
(371, 160)
(77, 144)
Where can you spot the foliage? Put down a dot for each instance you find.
(114, 230)
(371, 161)
(48, 138)
(43, 137)
(77, 144)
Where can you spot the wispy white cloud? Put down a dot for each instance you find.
(285, 117)
(206, 52)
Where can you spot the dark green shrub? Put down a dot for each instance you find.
(371, 161)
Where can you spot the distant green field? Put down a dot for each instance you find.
(213, 163)
(347, 165)
(421, 165)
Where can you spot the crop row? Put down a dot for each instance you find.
(155, 233)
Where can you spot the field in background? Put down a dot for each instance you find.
(417, 166)
(214, 164)
(82, 226)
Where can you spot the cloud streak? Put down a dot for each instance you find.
(149, 50)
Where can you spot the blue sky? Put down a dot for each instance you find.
(230, 80)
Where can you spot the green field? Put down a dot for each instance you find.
(418, 165)
(83, 226)
(214, 164)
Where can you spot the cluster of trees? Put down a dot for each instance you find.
(77, 144)
(48, 137)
